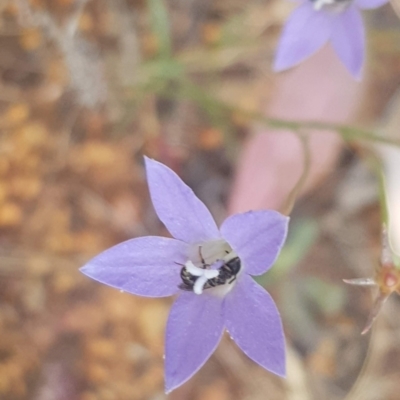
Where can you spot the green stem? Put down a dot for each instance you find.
(347, 132)
(294, 193)
(159, 20)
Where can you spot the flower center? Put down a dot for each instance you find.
(335, 6)
(211, 264)
(197, 276)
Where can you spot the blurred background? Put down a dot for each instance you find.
(87, 88)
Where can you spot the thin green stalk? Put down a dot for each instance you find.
(159, 20)
(294, 193)
(347, 132)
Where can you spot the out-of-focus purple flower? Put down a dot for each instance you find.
(316, 22)
(209, 270)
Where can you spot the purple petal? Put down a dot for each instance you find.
(194, 329)
(145, 266)
(184, 215)
(254, 323)
(348, 40)
(368, 4)
(305, 32)
(257, 237)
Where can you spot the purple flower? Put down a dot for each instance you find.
(208, 268)
(316, 22)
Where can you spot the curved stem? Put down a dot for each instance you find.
(225, 111)
(294, 193)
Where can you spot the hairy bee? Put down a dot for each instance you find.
(227, 273)
(188, 280)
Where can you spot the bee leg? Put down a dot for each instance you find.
(233, 279)
(203, 262)
(212, 283)
(182, 265)
(185, 287)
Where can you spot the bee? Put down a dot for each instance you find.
(188, 280)
(227, 273)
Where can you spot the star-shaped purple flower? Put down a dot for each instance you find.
(316, 22)
(209, 270)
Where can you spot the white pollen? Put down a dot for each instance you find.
(199, 284)
(203, 276)
(193, 270)
(210, 273)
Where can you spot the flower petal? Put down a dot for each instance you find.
(305, 32)
(360, 281)
(348, 40)
(257, 237)
(146, 266)
(184, 215)
(194, 329)
(254, 323)
(369, 4)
